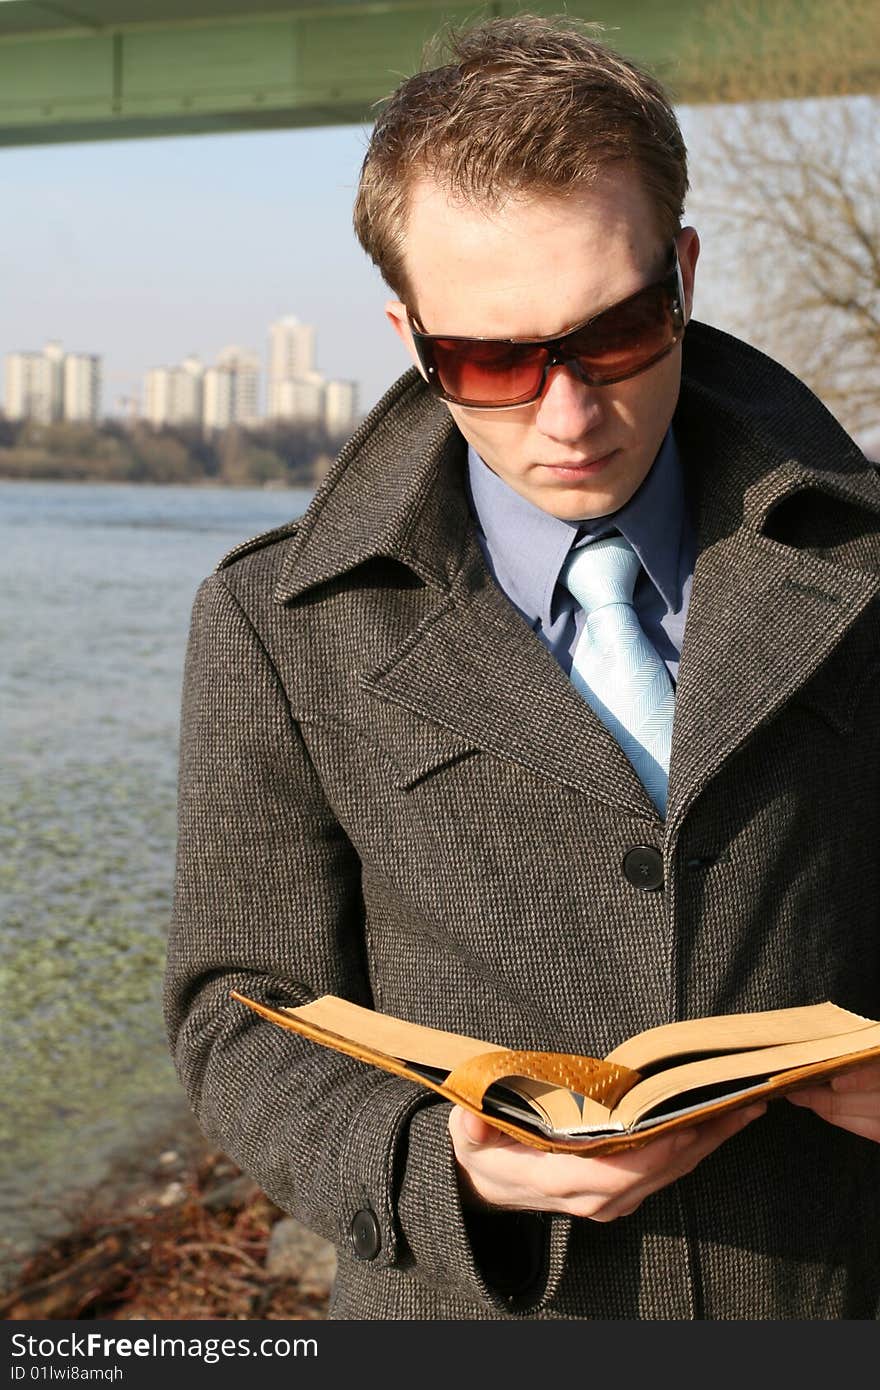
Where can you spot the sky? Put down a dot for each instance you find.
(146, 250)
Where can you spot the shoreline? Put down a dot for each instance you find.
(195, 485)
(181, 1233)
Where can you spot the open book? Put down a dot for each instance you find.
(665, 1077)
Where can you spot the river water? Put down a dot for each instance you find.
(96, 587)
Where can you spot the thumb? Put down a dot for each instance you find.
(476, 1131)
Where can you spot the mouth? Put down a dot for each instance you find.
(580, 468)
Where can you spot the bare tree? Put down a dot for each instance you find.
(791, 170)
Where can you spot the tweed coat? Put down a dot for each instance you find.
(389, 790)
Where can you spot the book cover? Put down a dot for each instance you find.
(666, 1077)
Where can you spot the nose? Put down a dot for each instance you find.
(569, 408)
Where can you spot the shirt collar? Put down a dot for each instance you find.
(527, 547)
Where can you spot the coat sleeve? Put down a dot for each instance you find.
(267, 900)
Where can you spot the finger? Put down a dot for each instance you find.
(855, 1111)
(810, 1097)
(477, 1134)
(865, 1122)
(602, 1187)
(635, 1173)
(669, 1153)
(865, 1078)
(865, 1126)
(701, 1141)
(688, 1149)
(711, 1136)
(476, 1130)
(830, 1103)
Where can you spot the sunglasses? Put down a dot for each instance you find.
(497, 373)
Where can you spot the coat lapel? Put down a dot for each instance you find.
(479, 670)
(473, 667)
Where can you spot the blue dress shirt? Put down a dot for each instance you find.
(525, 547)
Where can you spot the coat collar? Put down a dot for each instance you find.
(764, 615)
(394, 491)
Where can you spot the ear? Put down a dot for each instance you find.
(688, 245)
(396, 314)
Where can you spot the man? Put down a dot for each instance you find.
(415, 771)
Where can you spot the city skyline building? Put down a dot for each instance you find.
(291, 358)
(297, 392)
(175, 395)
(52, 385)
(340, 406)
(299, 398)
(231, 390)
(81, 393)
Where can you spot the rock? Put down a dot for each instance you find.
(172, 1195)
(169, 1157)
(219, 1166)
(296, 1253)
(229, 1194)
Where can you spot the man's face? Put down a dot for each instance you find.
(533, 270)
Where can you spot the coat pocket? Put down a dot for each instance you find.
(426, 756)
(410, 750)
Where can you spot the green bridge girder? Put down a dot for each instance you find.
(117, 69)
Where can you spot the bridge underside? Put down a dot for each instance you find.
(117, 69)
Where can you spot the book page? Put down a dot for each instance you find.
(558, 1108)
(727, 1032)
(737, 1066)
(409, 1042)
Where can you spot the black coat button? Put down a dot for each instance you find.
(643, 867)
(366, 1238)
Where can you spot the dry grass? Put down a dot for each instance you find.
(191, 1248)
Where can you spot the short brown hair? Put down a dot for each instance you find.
(526, 105)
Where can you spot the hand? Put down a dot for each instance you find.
(850, 1101)
(497, 1171)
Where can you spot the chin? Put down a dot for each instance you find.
(586, 513)
(583, 507)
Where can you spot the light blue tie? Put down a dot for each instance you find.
(615, 667)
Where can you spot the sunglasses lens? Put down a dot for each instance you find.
(626, 338)
(616, 344)
(488, 373)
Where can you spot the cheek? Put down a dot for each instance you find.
(499, 436)
(646, 403)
